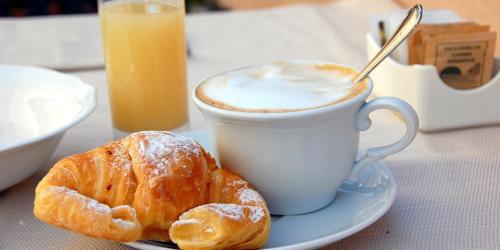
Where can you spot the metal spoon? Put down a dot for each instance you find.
(409, 23)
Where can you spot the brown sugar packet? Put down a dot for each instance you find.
(462, 27)
(463, 60)
(417, 40)
(415, 47)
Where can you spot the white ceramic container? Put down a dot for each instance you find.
(298, 160)
(37, 106)
(439, 107)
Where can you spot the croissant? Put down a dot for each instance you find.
(153, 185)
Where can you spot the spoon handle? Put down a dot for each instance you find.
(409, 23)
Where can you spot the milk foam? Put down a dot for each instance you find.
(278, 86)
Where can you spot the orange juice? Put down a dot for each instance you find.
(145, 51)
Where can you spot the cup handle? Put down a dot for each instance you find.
(363, 122)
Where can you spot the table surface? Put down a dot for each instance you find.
(449, 182)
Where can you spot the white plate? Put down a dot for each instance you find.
(354, 208)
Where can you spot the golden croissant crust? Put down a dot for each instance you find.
(153, 185)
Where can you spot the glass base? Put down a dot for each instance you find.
(119, 134)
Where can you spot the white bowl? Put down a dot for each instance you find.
(36, 107)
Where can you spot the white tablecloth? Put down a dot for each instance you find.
(449, 182)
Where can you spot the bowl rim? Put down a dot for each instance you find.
(88, 109)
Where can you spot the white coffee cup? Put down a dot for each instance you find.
(298, 160)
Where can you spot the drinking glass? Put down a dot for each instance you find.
(145, 52)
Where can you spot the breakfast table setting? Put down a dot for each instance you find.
(444, 186)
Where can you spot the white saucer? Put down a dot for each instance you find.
(354, 208)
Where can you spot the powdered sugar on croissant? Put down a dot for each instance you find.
(235, 212)
(138, 187)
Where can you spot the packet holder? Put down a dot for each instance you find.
(439, 107)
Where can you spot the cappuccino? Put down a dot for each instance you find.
(280, 87)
